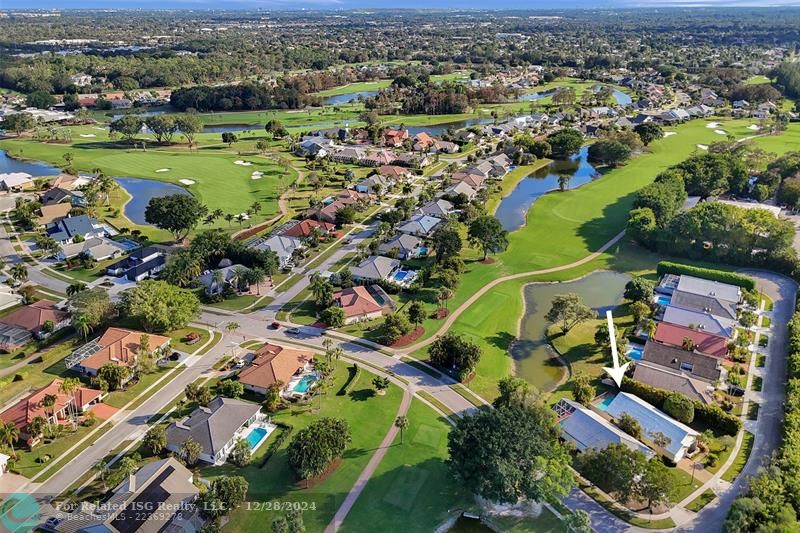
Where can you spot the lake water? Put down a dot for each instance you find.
(141, 191)
(533, 357)
(347, 97)
(620, 97)
(34, 168)
(513, 209)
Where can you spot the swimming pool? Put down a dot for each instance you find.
(603, 406)
(400, 276)
(257, 436)
(663, 299)
(304, 383)
(635, 352)
(422, 251)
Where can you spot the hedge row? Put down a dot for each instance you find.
(285, 431)
(708, 415)
(668, 267)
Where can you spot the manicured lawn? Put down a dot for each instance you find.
(757, 80)
(121, 398)
(701, 501)
(219, 182)
(356, 87)
(546, 522)
(683, 485)
(30, 463)
(177, 337)
(236, 303)
(741, 458)
(369, 418)
(412, 486)
(87, 275)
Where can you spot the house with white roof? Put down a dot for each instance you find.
(283, 247)
(14, 181)
(590, 431)
(699, 320)
(682, 438)
(419, 225)
(705, 287)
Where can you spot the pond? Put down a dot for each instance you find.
(513, 209)
(346, 98)
(533, 357)
(141, 191)
(438, 129)
(34, 168)
(620, 97)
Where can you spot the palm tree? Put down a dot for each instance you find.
(101, 471)
(217, 279)
(229, 218)
(444, 295)
(257, 276)
(9, 433)
(48, 402)
(82, 325)
(19, 272)
(401, 422)
(75, 288)
(68, 388)
(255, 208)
(232, 326)
(241, 217)
(36, 427)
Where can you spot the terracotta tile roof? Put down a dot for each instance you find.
(357, 301)
(119, 346)
(305, 227)
(274, 363)
(22, 413)
(393, 171)
(32, 317)
(706, 343)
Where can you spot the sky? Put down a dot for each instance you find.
(351, 4)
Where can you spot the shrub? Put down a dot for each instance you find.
(668, 267)
(679, 407)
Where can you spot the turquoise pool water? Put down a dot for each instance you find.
(400, 276)
(304, 384)
(606, 402)
(422, 251)
(635, 353)
(256, 436)
(663, 299)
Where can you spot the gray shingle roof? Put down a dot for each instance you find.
(671, 380)
(707, 304)
(375, 267)
(705, 287)
(213, 426)
(707, 322)
(702, 366)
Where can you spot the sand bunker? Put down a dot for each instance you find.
(713, 125)
(88, 135)
(702, 146)
(670, 133)
(720, 132)
(242, 163)
(753, 127)
(243, 216)
(257, 175)
(187, 181)
(160, 170)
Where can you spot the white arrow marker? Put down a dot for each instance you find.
(618, 371)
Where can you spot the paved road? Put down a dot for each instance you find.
(282, 298)
(132, 425)
(768, 431)
(257, 326)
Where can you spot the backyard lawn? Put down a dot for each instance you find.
(412, 486)
(369, 418)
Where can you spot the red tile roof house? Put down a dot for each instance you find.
(117, 346)
(22, 413)
(394, 137)
(358, 304)
(706, 343)
(33, 318)
(393, 171)
(273, 364)
(305, 228)
(423, 141)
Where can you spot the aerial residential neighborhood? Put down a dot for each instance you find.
(357, 267)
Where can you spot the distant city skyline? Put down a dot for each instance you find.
(377, 4)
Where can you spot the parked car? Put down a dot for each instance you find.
(239, 364)
(175, 356)
(293, 331)
(275, 325)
